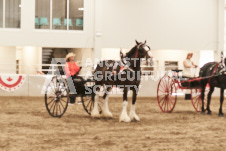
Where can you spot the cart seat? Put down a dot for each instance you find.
(176, 70)
(77, 80)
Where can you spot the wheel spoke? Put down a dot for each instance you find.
(167, 105)
(88, 104)
(63, 100)
(91, 106)
(173, 97)
(161, 91)
(162, 87)
(87, 99)
(161, 99)
(54, 108)
(197, 104)
(170, 104)
(164, 83)
(59, 108)
(51, 90)
(51, 101)
(51, 106)
(171, 101)
(196, 100)
(164, 104)
(61, 104)
(169, 81)
(56, 104)
(164, 94)
(161, 95)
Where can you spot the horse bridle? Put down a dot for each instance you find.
(138, 47)
(136, 55)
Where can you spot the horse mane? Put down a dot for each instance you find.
(132, 51)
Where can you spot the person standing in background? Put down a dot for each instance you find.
(188, 66)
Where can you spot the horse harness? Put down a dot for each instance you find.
(221, 72)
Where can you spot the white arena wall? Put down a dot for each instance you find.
(7, 57)
(33, 87)
(165, 24)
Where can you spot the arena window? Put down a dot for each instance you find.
(42, 14)
(10, 13)
(76, 9)
(59, 14)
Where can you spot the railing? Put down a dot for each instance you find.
(36, 69)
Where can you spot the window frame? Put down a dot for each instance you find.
(4, 17)
(51, 20)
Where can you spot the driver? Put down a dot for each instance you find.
(188, 66)
(72, 70)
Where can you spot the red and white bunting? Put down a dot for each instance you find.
(11, 82)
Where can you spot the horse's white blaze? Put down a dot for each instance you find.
(124, 116)
(106, 112)
(132, 114)
(146, 48)
(150, 54)
(95, 111)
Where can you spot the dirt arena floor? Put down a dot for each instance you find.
(26, 125)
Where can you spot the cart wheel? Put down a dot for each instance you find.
(166, 94)
(88, 104)
(57, 97)
(196, 99)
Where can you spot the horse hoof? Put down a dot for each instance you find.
(107, 115)
(203, 112)
(134, 118)
(209, 113)
(221, 115)
(124, 118)
(95, 114)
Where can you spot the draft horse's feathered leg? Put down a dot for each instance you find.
(124, 116)
(106, 113)
(133, 116)
(95, 112)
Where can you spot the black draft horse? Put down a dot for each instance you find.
(109, 73)
(217, 73)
